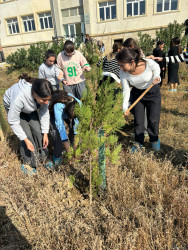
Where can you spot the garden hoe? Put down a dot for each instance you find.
(1, 134)
(140, 97)
(132, 106)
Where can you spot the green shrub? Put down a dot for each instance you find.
(18, 60)
(146, 42)
(57, 46)
(173, 30)
(36, 55)
(90, 51)
(32, 58)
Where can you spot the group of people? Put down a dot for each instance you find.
(35, 106)
(174, 50)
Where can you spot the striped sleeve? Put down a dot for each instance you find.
(178, 58)
(101, 61)
(111, 66)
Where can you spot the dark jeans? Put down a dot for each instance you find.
(31, 126)
(58, 146)
(152, 103)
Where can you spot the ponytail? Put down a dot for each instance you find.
(127, 55)
(49, 53)
(27, 78)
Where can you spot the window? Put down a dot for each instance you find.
(74, 32)
(167, 5)
(72, 12)
(107, 10)
(28, 23)
(135, 7)
(45, 20)
(13, 27)
(71, 30)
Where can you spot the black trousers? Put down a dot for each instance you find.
(152, 103)
(31, 126)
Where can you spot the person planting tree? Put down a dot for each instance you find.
(61, 108)
(26, 104)
(140, 73)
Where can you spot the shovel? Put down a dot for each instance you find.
(132, 106)
(1, 134)
(140, 97)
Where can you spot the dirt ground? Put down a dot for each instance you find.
(145, 206)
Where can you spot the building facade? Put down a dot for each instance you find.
(116, 20)
(24, 22)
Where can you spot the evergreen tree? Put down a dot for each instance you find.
(172, 30)
(99, 118)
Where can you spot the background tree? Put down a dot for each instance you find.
(146, 42)
(172, 30)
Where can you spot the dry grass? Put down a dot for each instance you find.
(146, 206)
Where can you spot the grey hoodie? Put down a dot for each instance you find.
(49, 72)
(19, 98)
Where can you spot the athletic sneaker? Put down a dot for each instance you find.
(26, 169)
(156, 146)
(49, 165)
(136, 148)
(56, 161)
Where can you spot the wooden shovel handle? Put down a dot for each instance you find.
(1, 134)
(140, 97)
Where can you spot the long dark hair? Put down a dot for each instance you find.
(176, 41)
(69, 109)
(50, 53)
(42, 88)
(130, 42)
(127, 55)
(160, 42)
(115, 48)
(60, 96)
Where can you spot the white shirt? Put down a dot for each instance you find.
(141, 81)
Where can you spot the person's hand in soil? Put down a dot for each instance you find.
(29, 145)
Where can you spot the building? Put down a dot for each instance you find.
(116, 20)
(24, 22)
(106, 20)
